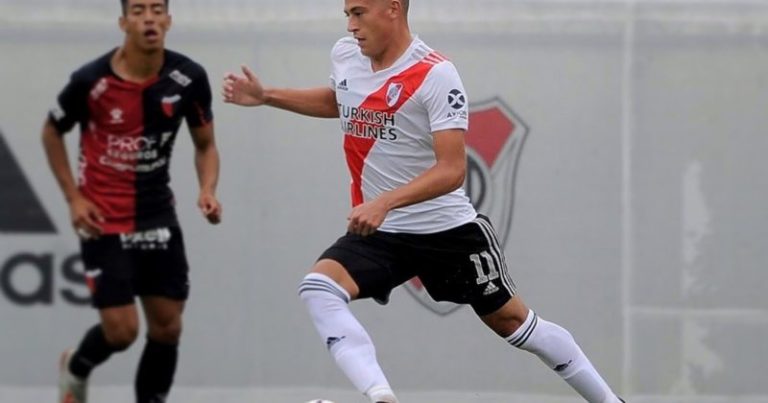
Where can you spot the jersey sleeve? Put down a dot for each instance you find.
(332, 76)
(71, 105)
(336, 55)
(444, 98)
(199, 112)
(342, 53)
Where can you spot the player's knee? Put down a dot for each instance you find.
(166, 333)
(120, 336)
(505, 327)
(507, 320)
(316, 286)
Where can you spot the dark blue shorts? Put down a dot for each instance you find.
(464, 265)
(118, 267)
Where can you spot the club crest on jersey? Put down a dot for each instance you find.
(167, 103)
(494, 141)
(393, 93)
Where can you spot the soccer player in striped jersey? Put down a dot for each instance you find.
(403, 113)
(129, 104)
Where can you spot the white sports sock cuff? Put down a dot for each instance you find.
(521, 335)
(321, 282)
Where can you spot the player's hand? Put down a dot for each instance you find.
(245, 90)
(86, 218)
(367, 217)
(210, 207)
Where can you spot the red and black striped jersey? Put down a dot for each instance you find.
(127, 135)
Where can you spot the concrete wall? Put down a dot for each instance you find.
(629, 145)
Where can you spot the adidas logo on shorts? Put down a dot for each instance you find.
(490, 289)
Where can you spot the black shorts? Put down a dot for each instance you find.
(464, 265)
(119, 267)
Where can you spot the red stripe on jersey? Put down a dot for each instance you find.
(357, 148)
(201, 115)
(109, 144)
(436, 58)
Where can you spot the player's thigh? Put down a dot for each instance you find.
(110, 271)
(465, 265)
(163, 269)
(374, 263)
(339, 274)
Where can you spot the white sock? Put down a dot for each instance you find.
(557, 348)
(344, 336)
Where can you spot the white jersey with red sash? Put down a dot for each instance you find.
(388, 118)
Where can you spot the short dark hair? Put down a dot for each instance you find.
(405, 5)
(124, 4)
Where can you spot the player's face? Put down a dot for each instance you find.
(145, 23)
(370, 22)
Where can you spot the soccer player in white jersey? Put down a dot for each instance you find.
(403, 113)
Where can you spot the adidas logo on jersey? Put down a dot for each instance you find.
(343, 85)
(490, 289)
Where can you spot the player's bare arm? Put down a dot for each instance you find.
(86, 217)
(207, 165)
(444, 177)
(247, 90)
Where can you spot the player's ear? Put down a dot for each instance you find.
(395, 8)
(170, 22)
(121, 22)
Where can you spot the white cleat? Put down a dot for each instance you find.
(71, 388)
(381, 394)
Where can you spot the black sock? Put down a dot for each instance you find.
(93, 350)
(156, 370)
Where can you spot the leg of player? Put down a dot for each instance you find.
(116, 332)
(555, 346)
(157, 365)
(326, 292)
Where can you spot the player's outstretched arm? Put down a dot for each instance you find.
(243, 90)
(247, 90)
